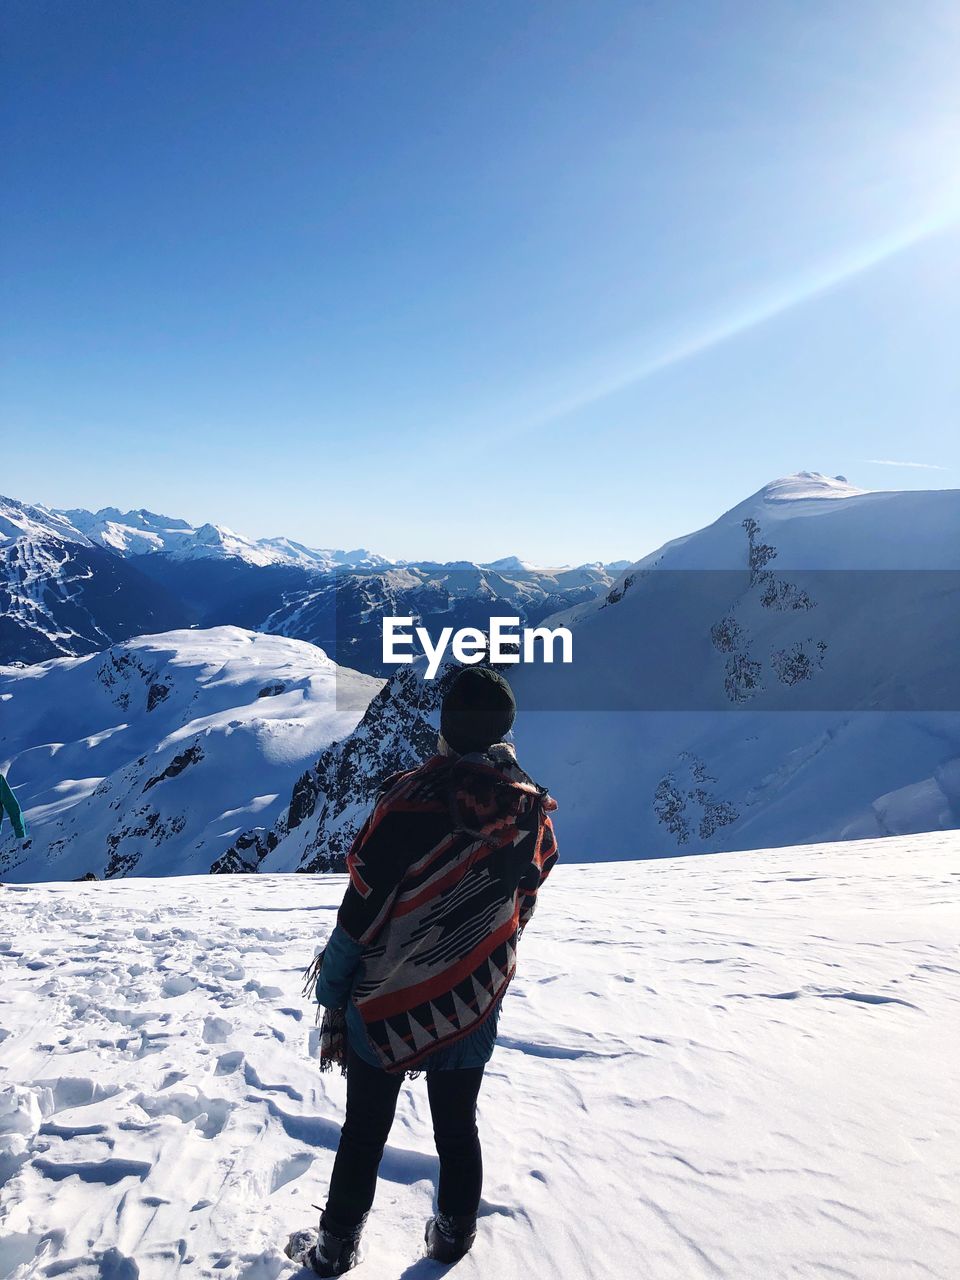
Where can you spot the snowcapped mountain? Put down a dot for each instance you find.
(809, 690)
(21, 520)
(823, 522)
(718, 772)
(340, 610)
(141, 532)
(755, 740)
(157, 755)
(61, 593)
(509, 563)
(752, 596)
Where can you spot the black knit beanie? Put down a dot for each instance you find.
(477, 710)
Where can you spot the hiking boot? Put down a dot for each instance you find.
(449, 1236)
(329, 1254)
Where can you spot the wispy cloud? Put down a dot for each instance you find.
(922, 466)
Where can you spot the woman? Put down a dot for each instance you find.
(444, 876)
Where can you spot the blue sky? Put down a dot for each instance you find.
(460, 279)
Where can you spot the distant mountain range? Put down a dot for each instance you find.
(76, 581)
(141, 532)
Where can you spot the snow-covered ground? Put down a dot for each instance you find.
(740, 1065)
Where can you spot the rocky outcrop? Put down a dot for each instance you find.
(686, 804)
(744, 666)
(329, 802)
(192, 755)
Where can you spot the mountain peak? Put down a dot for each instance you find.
(511, 562)
(807, 484)
(23, 520)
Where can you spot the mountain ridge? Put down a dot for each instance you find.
(74, 582)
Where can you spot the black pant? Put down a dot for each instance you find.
(371, 1104)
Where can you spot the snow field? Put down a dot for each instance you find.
(740, 1065)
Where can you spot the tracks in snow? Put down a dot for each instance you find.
(727, 1066)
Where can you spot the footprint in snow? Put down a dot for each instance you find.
(216, 1030)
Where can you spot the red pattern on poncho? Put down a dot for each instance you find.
(444, 876)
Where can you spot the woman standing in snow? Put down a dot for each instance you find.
(444, 876)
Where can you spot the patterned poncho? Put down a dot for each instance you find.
(443, 878)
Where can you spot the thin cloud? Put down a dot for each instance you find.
(921, 466)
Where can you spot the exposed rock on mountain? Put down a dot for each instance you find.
(330, 800)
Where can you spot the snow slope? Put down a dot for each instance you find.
(716, 1068)
(803, 753)
(822, 522)
(153, 757)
